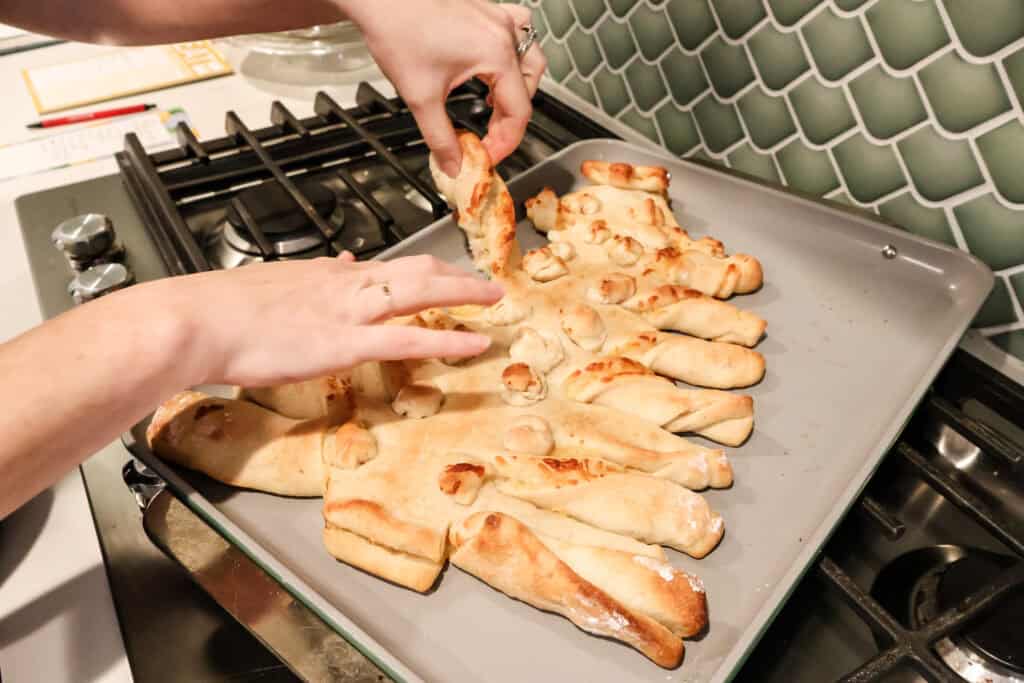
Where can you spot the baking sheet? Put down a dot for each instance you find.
(854, 340)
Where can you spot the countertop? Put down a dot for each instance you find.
(57, 621)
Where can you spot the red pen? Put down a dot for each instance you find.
(92, 116)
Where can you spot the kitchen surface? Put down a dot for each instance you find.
(907, 110)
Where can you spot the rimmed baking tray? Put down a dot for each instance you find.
(861, 318)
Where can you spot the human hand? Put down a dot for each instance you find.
(428, 48)
(288, 321)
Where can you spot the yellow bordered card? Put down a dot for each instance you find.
(122, 72)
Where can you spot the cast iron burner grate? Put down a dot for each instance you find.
(920, 645)
(356, 151)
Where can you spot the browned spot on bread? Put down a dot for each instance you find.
(519, 377)
(204, 410)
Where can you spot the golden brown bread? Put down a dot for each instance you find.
(547, 466)
(504, 553)
(241, 443)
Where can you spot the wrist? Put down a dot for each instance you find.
(173, 331)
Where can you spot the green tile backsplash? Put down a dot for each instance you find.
(909, 108)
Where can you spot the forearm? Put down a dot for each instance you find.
(74, 384)
(139, 22)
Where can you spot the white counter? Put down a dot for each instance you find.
(57, 620)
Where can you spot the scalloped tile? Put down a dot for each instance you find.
(870, 172)
(653, 25)
(749, 160)
(789, 12)
(719, 124)
(940, 168)
(684, 76)
(1014, 65)
(646, 84)
(588, 11)
(692, 20)
(807, 170)
(559, 16)
(712, 79)
(644, 125)
(678, 129)
(888, 105)
(963, 95)
(767, 118)
(559, 62)
(582, 88)
(779, 56)
(1017, 282)
(837, 45)
(738, 16)
(727, 66)
(906, 212)
(611, 91)
(986, 26)
(617, 42)
(1011, 342)
(1003, 149)
(585, 52)
(621, 7)
(850, 5)
(821, 110)
(907, 31)
(998, 307)
(993, 233)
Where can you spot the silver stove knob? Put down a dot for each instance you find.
(84, 236)
(99, 280)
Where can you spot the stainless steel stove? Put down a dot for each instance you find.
(923, 581)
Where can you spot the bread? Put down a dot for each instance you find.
(550, 466)
(505, 554)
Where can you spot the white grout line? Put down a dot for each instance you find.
(848, 14)
(807, 18)
(1015, 301)
(987, 174)
(954, 227)
(946, 205)
(1001, 329)
(742, 39)
(839, 175)
(997, 56)
(1012, 270)
(913, 68)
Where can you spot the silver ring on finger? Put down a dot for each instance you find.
(526, 42)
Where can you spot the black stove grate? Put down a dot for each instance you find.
(336, 140)
(964, 378)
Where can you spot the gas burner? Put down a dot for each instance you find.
(285, 226)
(922, 584)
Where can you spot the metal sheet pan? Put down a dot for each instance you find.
(854, 341)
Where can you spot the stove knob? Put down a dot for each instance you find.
(85, 236)
(99, 280)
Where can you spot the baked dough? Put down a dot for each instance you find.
(550, 466)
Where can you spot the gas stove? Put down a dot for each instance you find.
(922, 581)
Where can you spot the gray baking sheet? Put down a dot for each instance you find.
(854, 340)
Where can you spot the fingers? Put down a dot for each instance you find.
(532, 66)
(438, 132)
(410, 295)
(399, 342)
(512, 111)
(423, 265)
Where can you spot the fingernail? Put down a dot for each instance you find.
(497, 289)
(450, 167)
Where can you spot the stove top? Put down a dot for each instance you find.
(923, 581)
